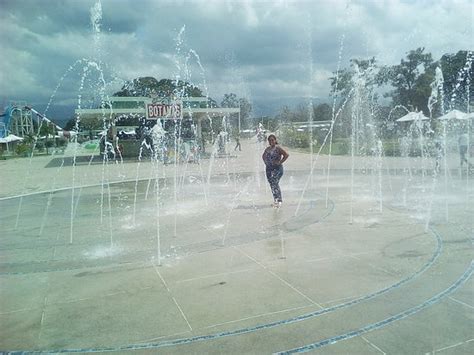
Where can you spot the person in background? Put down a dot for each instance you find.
(463, 141)
(274, 156)
(237, 143)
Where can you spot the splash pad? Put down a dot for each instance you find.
(236, 269)
(369, 253)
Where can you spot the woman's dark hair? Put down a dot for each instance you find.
(274, 137)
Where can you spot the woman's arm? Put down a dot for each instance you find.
(284, 154)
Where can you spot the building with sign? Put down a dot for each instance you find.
(149, 109)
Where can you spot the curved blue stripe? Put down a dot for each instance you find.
(167, 343)
(368, 328)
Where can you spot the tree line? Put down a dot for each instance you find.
(408, 84)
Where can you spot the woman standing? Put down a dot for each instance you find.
(274, 156)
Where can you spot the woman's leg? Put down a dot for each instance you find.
(273, 176)
(277, 177)
(271, 180)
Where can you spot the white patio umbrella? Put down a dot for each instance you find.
(454, 114)
(412, 116)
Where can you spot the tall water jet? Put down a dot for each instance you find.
(469, 62)
(404, 152)
(353, 152)
(379, 156)
(76, 129)
(437, 97)
(231, 209)
(95, 62)
(310, 96)
(333, 115)
(308, 179)
(365, 142)
(157, 209)
(177, 95)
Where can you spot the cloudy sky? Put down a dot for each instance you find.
(271, 52)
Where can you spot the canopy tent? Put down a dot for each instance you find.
(11, 138)
(61, 134)
(454, 114)
(412, 116)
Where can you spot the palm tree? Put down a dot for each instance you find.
(47, 130)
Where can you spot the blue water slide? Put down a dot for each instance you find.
(5, 121)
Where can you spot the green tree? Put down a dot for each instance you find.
(301, 113)
(26, 146)
(230, 100)
(47, 130)
(322, 112)
(285, 115)
(343, 82)
(149, 86)
(90, 124)
(355, 91)
(70, 124)
(412, 80)
(245, 111)
(457, 69)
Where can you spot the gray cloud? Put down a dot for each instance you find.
(259, 49)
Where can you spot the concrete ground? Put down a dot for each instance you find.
(100, 257)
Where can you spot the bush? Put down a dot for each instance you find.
(61, 142)
(22, 149)
(294, 139)
(40, 146)
(340, 146)
(415, 152)
(48, 145)
(391, 148)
